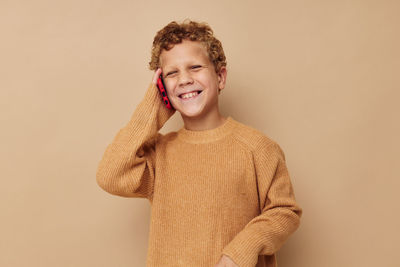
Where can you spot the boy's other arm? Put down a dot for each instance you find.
(280, 214)
(127, 166)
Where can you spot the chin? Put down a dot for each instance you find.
(190, 112)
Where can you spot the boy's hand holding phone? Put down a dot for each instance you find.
(158, 80)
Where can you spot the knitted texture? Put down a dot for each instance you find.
(225, 190)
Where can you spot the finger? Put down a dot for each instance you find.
(156, 75)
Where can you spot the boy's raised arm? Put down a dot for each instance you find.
(127, 166)
(280, 214)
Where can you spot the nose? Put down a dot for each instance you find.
(185, 78)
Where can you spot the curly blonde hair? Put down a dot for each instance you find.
(174, 33)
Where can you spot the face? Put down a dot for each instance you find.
(187, 69)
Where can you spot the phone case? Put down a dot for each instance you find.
(163, 91)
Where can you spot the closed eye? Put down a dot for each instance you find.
(170, 73)
(196, 66)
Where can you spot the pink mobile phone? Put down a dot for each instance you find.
(163, 91)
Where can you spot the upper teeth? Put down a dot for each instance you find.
(187, 95)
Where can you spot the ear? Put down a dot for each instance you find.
(222, 77)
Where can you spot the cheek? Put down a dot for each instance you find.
(170, 84)
(207, 78)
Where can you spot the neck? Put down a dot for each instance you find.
(210, 121)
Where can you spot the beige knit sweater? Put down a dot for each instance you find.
(221, 191)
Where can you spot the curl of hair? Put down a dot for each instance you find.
(175, 33)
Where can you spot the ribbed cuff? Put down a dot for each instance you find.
(149, 117)
(243, 250)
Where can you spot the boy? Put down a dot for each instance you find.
(219, 190)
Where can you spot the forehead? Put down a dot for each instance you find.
(185, 52)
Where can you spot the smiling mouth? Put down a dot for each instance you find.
(190, 95)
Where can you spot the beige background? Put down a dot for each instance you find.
(319, 77)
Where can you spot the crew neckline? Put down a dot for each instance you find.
(206, 136)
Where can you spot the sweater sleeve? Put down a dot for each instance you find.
(279, 217)
(127, 166)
